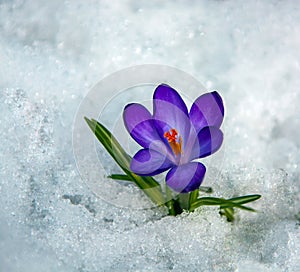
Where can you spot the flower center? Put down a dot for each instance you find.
(174, 141)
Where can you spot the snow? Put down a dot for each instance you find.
(51, 56)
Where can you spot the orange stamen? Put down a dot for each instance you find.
(172, 137)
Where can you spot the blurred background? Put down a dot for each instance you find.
(53, 53)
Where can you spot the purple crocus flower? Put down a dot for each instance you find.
(173, 138)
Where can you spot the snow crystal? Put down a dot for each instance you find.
(53, 53)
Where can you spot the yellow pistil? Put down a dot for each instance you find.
(174, 141)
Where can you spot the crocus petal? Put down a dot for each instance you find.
(209, 141)
(207, 110)
(139, 123)
(170, 111)
(148, 162)
(186, 178)
(166, 93)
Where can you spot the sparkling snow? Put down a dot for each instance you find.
(52, 53)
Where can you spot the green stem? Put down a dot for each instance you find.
(170, 201)
(193, 197)
(184, 201)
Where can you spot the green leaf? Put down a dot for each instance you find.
(149, 185)
(235, 205)
(206, 189)
(110, 143)
(214, 201)
(193, 197)
(242, 200)
(120, 177)
(245, 199)
(170, 202)
(229, 213)
(184, 201)
(195, 194)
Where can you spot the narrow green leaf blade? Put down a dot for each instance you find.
(193, 197)
(206, 201)
(214, 201)
(149, 185)
(120, 177)
(245, 199)
(110, 143)
(239, 206)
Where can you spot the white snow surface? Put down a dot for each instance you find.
(53, 52)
